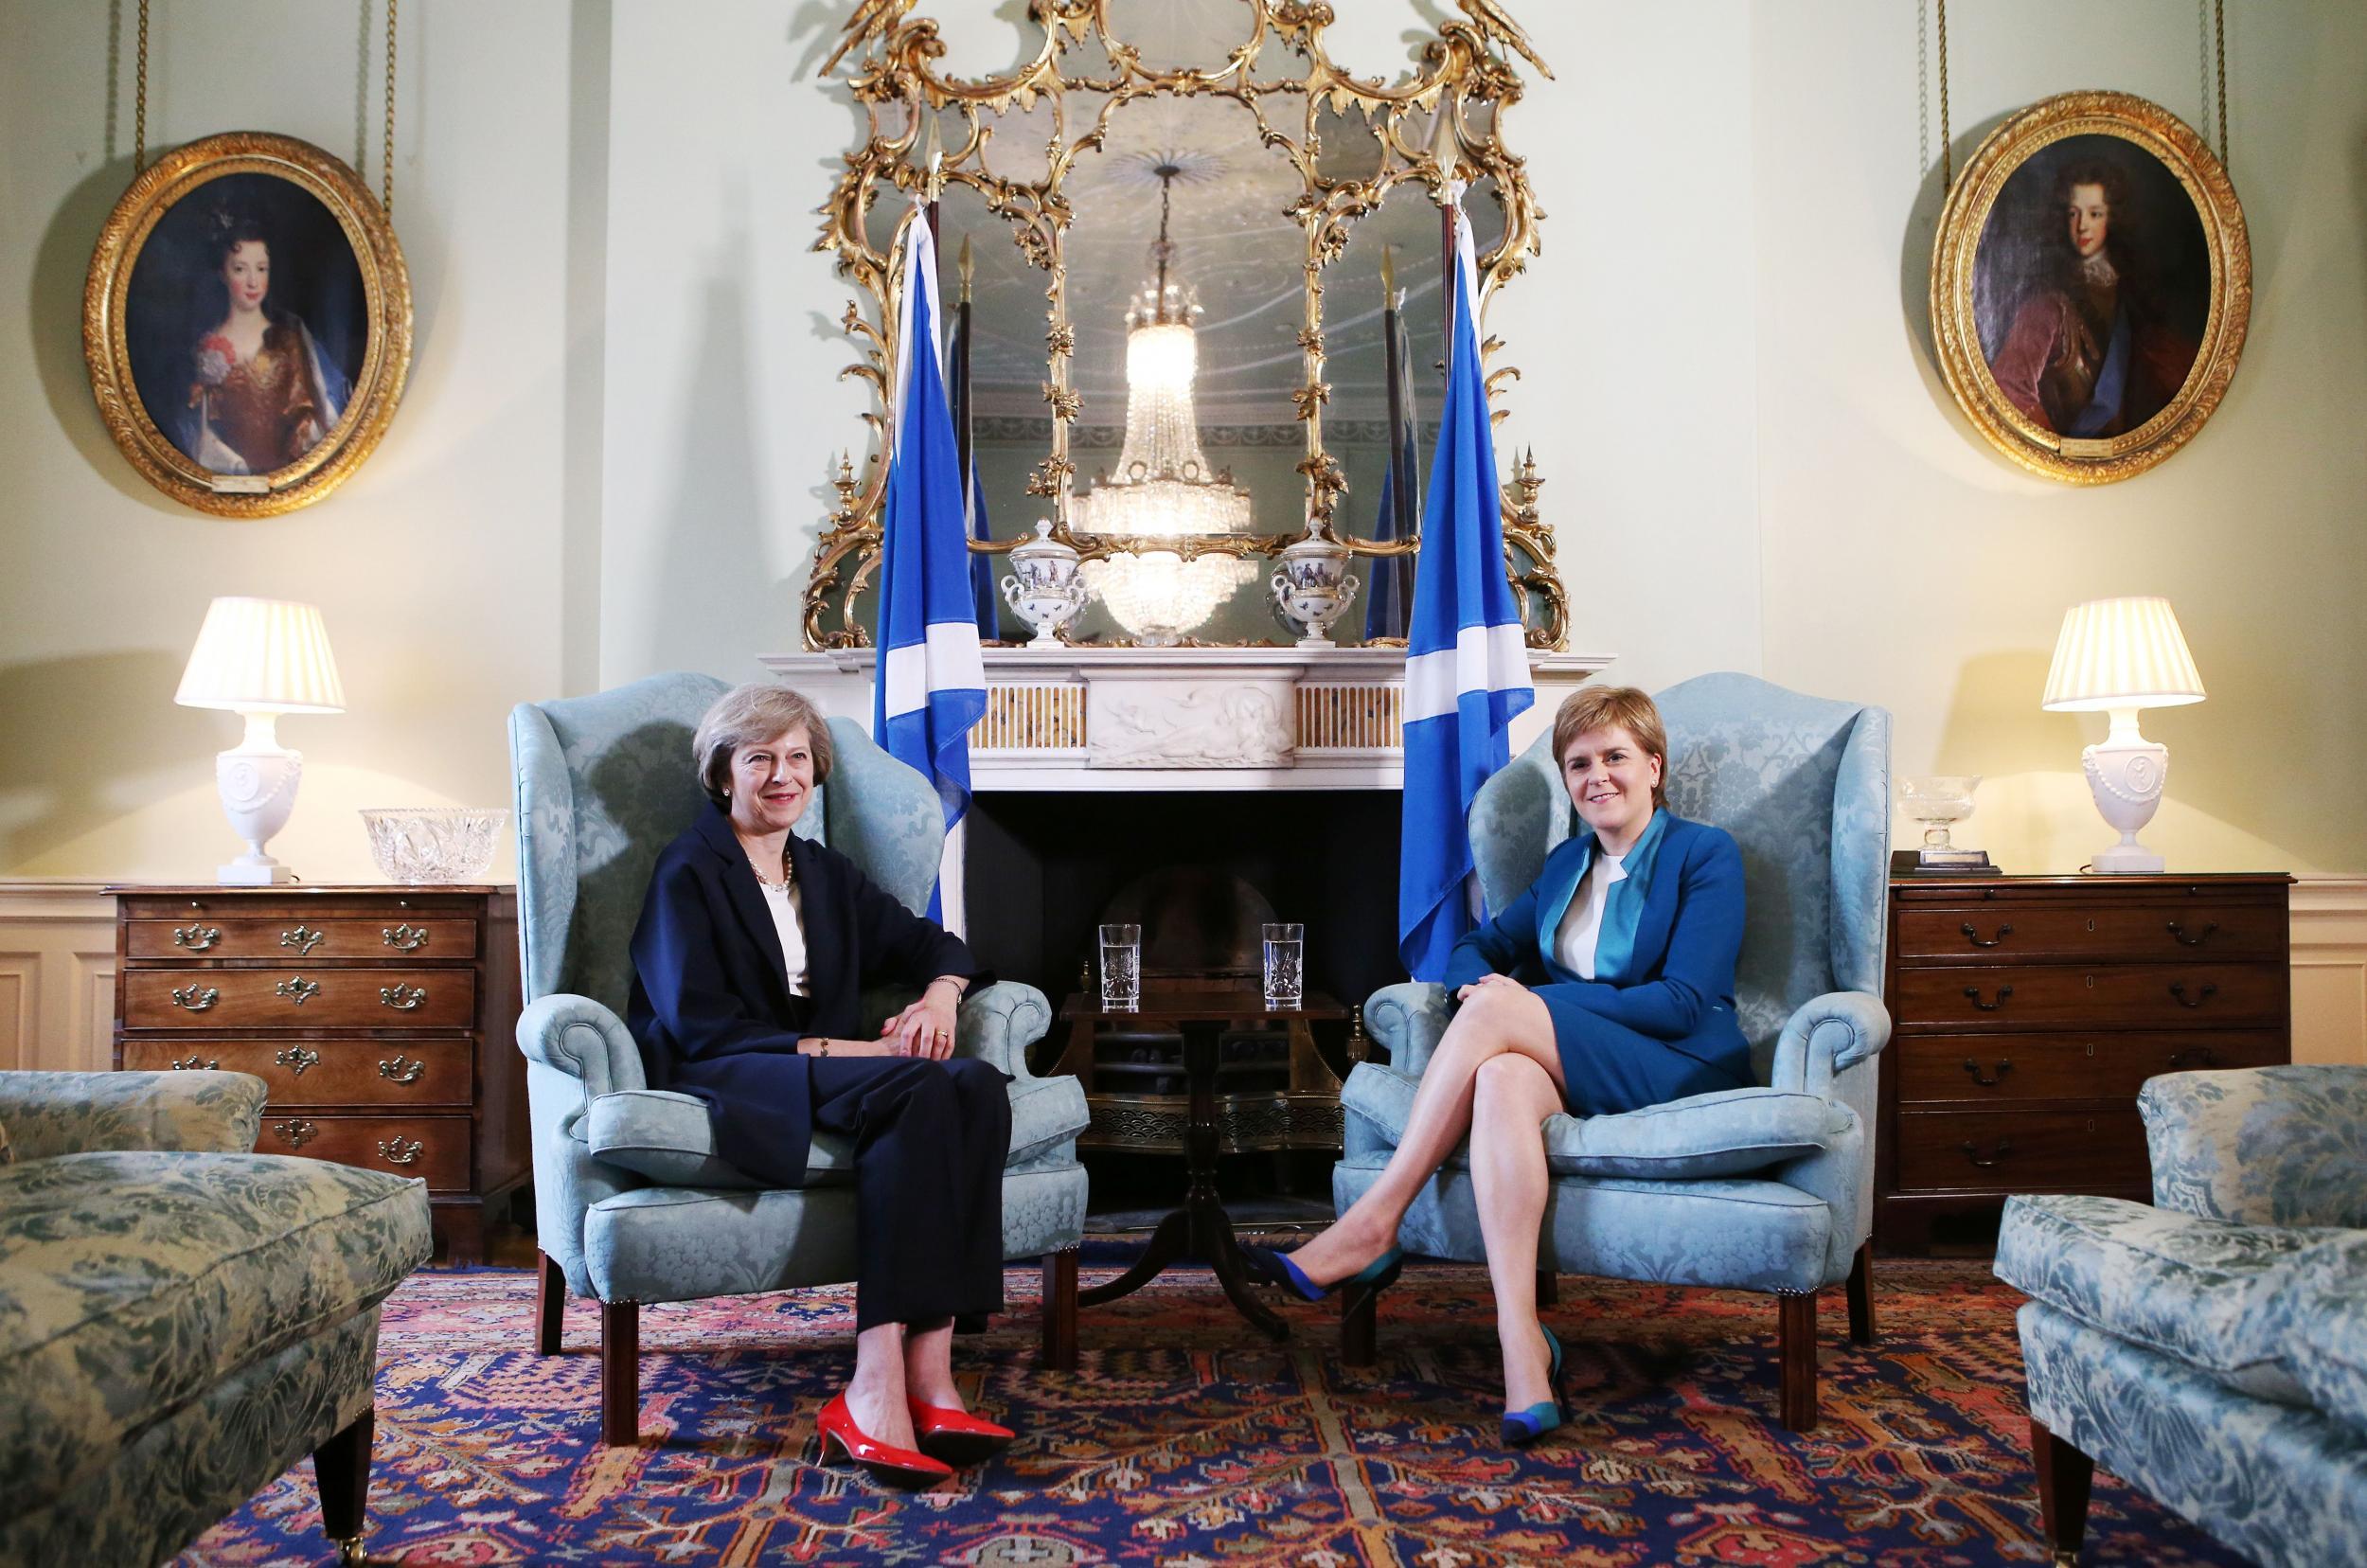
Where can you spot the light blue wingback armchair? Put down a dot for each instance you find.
(1765, 1189)
(2211, 1350)
(632, 1204)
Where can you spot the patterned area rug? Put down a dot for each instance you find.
(1186, 1441)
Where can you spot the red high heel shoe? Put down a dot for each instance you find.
(890, 1467)
(956, 1436)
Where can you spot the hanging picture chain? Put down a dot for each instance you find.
(386, 156)
(1948, 161)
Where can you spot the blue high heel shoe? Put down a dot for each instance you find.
(1269, 1267)
(1523, 1427)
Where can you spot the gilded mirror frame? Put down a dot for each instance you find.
(1422, 125)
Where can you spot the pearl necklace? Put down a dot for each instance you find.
(788, 870)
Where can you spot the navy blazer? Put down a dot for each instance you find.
(711, 1007)
(1679, 984)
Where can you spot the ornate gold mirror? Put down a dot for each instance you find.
(1180, 251)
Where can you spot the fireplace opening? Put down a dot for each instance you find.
(1198, 869)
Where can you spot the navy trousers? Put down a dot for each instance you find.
(930, 1138)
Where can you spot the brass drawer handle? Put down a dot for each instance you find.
(2178, 931)
(1973, 994)
(209, 1064)
(298, 1133)
(402, 998)
(296, 1058)
(402, 1150)
(303, 938)
(2002, 931)
(1972, 1153)
(195, 998)
(297, 990)
(197, 938)
(404, 939)
(2003, 1068)
(401, 1069)
(2200, 1054)
(2178, 992)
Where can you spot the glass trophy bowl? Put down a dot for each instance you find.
(1939, 801)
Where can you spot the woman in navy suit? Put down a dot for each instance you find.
(1607, 987)
(752, 955)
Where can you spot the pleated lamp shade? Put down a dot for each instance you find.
(2121, 653)
(258, 655)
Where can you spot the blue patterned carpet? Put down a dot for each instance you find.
(1186, 1441)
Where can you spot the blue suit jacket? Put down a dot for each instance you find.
(1677, 983)
(710, 1004)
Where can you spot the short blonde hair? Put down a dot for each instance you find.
(1598, 707)
(748, 716)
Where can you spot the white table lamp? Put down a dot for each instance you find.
(261, 658)
(2116, 656)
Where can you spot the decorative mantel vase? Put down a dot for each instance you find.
(1045, 588)
(1313, 589)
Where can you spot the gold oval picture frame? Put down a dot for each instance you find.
(247, 321)
(2090, 286)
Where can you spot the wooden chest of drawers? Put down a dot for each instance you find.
(385, 1020)
(2026, 1012)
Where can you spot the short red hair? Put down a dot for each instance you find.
(1601, 707)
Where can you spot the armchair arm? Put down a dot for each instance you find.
(50, 1114)
(1408, 1021)
(2260, 1146)
(580, 1037)
(997, 1023)
(1827, 1037)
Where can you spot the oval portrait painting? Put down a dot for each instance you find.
(2090, 287)
(248, 324)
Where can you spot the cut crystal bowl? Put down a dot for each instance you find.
(433, 844)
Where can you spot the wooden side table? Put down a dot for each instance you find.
(1200, 1230)
(383, 1019)
(2026, 1012)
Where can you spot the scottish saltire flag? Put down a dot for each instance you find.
(1467, 673)
(1393, 576)
(966, 453)
(932, 683)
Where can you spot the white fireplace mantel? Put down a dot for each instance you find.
(1074, 719)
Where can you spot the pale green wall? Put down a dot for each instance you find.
(624, 408)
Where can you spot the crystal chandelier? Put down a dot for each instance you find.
(1164, 486)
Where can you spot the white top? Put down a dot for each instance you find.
(1582, 926)
(784, 905)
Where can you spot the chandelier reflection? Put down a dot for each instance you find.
(1162, 485)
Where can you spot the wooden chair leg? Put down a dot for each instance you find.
(341, 1467)
(620, 1372)
(1060, 1310)
(1359, 1327)
(550, 1306)
(2064, 1474)
(1862, 1295)
(1797, 1333)
(1548, 1288)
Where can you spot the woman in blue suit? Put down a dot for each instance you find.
(1607, 987)
(752, 952)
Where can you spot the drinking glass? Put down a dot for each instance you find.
(1121, 967)
(1286, 964)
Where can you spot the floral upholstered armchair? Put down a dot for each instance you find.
(632, 1202)
(181, 1320)
(1765, 1189)
(2211, 1350)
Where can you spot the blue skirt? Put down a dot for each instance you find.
(1608, 1068)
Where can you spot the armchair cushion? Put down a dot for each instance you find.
(132, 1283)
(1729, 1133)
(2208, 1293)
(2328, 1308)
(670, 1139)
(2267, 1145)
(55, 1113)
